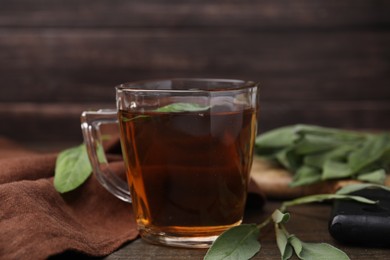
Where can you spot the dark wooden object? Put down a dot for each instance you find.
(308, 223)
(319, 62)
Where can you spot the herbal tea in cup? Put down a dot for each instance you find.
(187, 146)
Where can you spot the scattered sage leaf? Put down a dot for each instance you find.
(72, 168)
(239, 242)
(318, 251)
(296, 245)
(356, 187)
(324, 197)
(280, 217)
(284, 246)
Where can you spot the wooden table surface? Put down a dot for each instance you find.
(308, 222)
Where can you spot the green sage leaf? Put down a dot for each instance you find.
(336, 170)
(72, 168)
(280, 217)
(371, 150)
(311, 143)
(324, 197)
(318, 159)
(126, 119)
(283, 244)
(280, 137)
(335, 153)
(378, 176)
(288, 159)
(182, 107)
(171, 108)
(240, 242)
(306, 175)
(356, 187)
(318, 251)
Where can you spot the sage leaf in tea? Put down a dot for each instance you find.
(182, 107)
(237, 243)
(171, 108)
(126, 119)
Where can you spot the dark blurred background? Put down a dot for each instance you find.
(319, 62)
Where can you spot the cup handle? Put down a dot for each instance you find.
(90, 126)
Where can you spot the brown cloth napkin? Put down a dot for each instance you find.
(37, 222)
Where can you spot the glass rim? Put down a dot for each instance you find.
(137, 85)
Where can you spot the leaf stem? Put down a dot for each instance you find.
(264, 223)
(321, 198)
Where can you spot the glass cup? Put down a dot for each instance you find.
(187, 146)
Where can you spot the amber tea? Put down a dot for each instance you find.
(188, 171)
(187, 144)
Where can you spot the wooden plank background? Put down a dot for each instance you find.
(319, 62)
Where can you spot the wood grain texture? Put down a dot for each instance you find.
(261, 14)
(319, 62)
(84, 65)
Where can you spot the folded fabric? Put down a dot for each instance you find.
(37, 222)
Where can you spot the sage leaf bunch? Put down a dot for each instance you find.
(289, 244)
(242, 242)
(314, 154)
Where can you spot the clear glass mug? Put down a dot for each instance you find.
(187, 145)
